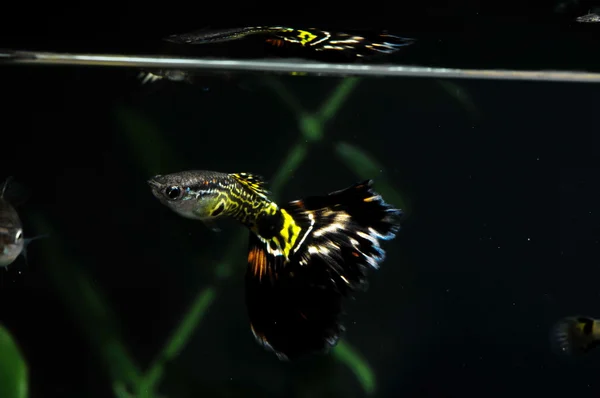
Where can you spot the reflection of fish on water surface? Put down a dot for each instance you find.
(302, 44)
(311, 38)
(245, 82)
(304, 256)
(176, 75)
(576, 335)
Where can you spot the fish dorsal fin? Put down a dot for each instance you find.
(5, 185)
(253, 182)
(13, 192)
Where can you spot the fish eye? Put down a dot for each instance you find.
(173, 192)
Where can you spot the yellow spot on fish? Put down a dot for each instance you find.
(289, 232)
(305, 37)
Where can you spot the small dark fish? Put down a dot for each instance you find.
(576, 335)
(310, 38)
(304, 256)
(12, 241)
(588, 18)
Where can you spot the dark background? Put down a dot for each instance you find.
(464, 303)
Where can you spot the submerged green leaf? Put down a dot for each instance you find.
(180, 337)
(13, 369)
(359, 366)
(312, 128)
(358, 160)
(291, 163)
(335, 102)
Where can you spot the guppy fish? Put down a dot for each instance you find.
(310, 38)
(576, 335)
(304, 256)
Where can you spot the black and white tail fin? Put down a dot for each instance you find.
(344, 230)
(295, 303)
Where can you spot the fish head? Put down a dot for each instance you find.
(12, 243)
(191, 194)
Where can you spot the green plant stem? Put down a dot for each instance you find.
(340, 94)
(179, 338)
(290, 164)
